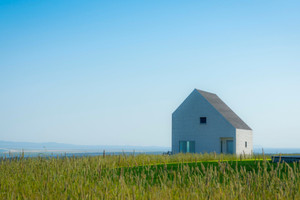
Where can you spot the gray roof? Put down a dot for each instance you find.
(222, 108)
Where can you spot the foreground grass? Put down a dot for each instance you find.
(180, 176)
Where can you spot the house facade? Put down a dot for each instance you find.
(203, 123)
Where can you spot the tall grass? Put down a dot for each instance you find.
(148, 177)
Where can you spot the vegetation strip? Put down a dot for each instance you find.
(182, 176)
(208, 161)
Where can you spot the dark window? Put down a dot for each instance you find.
(246, 144)
(221, 146)
(202, 120)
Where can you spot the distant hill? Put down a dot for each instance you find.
(8, 145)
(3, 150)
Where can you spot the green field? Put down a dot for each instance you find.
(206, 176)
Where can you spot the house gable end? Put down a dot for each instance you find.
(196, 104)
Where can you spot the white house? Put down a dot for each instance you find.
(204, 123)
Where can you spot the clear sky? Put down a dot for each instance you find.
(112, 72)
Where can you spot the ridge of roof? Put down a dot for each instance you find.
(224, 110)
(202, 91)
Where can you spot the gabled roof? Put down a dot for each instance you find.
(222, 108)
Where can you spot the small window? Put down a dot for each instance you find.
(246, 144)
(202, 120)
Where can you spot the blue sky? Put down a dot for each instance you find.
(112, 72)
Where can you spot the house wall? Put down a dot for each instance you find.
(186, 125)
(243, 136)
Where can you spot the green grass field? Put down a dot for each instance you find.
(206, 176)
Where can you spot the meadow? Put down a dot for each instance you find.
(182, 176)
